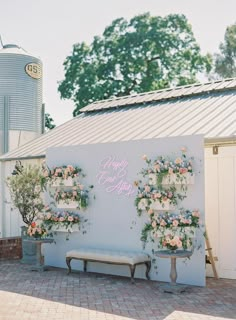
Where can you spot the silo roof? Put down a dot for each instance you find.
(14, 49)
(206, 110)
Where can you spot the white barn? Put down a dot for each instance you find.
(203, 109)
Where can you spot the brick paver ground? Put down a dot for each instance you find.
(50, 295)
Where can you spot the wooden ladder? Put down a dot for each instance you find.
(210, 257)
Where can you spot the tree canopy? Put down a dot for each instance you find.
(225, 61)
(144, 54)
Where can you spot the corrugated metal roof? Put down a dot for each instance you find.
(213, 115)
(178, 92)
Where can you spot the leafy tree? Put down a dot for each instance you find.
(49, 122)
(26, 185)
(143, 54)
(225, 61)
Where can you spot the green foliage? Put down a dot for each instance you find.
(49, 122)
(144, 54)
(26, 186)
(225, 62)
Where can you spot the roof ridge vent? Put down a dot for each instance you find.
(11, 45)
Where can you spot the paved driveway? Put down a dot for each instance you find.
(50, 295)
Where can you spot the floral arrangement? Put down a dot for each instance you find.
(172, 230)
(77, 194)
(63, 172)
(59, 219)
(163, 167)
(37, 230)
(152, 194)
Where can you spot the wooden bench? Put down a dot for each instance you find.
(132, 259)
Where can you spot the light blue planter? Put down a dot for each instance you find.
(28, 249)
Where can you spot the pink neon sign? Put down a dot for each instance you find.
(113, 176)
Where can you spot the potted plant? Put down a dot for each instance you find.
(26, 185)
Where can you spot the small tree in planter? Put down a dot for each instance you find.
(26, 185)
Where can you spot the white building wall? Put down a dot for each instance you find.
(220, 199)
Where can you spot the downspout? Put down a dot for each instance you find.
(43, 118)
(6, 125)
(3, 204)
(5, 144)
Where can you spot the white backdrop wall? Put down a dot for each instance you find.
(112, 216)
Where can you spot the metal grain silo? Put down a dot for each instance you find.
(21, 110)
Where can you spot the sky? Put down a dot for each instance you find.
(49, 28)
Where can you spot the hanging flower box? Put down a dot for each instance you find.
(165, 205)
(61, 228)
(155, 205)
(152, 179)
(173, 230)
(57, 182)
(189, 231)
(185, 178)
(67, 205)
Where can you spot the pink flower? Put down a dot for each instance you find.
(147, 188)
(183, 149)
(144, 157)
(157, 195)
(169, 194)
(175, 223)
(157, 167)
(163, 223)
(173, 242)
(70, 218)
(70, 168)
(170, 171)
(183, 170)
(61, 219)
(150, 211)
(196, 213)
(179, 244)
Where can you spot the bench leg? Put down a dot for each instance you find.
(148, 266)
(68, 260)
(132, 271)
(85, 265)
